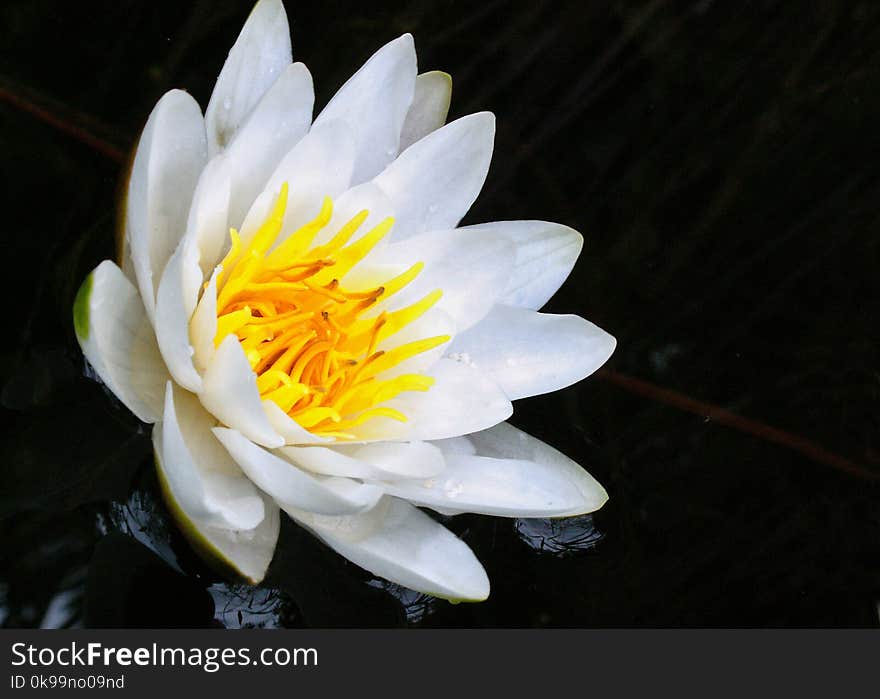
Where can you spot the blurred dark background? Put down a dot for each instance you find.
(721, 160)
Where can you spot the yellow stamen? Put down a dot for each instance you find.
(306, 333)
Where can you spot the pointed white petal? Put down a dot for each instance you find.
(117, 339)
(204, 480)
(255, 61)
(229, 392)
(461, 401)
(529, 353)
(170, 156)
(504, 441)
(291, 487)
(545, 255)
(433, 183)
(378, 461)
(411, 549)
(470, 270)
(374, 103)
(429, 107)
(500, 487)
(278, 122)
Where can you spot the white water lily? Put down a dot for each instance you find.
(308, 331)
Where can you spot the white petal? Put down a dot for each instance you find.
(504, 441)
(291, 487)
(203, 326)
(172, 325)
(364, 197)
(353, 527)
(413, 550)
(290, 430)
(229, 392)
(432, 324)
(461, 401)
(319, 165)
(379, 461)
(257, 58)
(470, 270)
(500, 487)
(374, 102)
(207, 227)
(429, 107)
(170, 156)
(455, 445)
(183, 275)
(399, 459)
(247, 551)
(203, 479)
(529, 353)
(433, 183)
(276, 125)
(117, 339)
(545, 255)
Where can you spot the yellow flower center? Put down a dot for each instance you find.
(313, 343)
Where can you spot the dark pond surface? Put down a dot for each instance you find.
(723, 163)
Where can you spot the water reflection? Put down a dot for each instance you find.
(560, 537)
(242, 607)
(417, 606)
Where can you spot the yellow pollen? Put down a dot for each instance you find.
(317, 351)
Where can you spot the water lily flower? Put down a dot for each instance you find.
(301, 320)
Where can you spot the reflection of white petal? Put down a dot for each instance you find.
(411, 549)
(291, 487)
(433, 183)
(255, 61)
(229, 392)
(461, 401)
(545, 255)
(529, 353)
(429, 107)
(204, 480)
(504, 441)
(170, 156)
(374, 103)
(117, 339)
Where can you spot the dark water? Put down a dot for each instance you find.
(723, 163)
